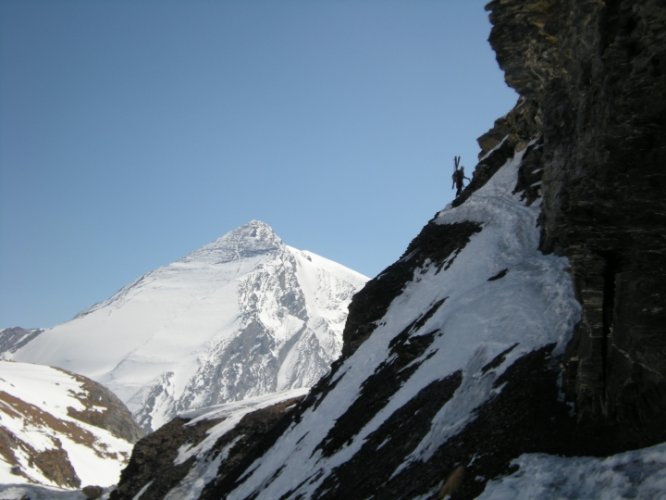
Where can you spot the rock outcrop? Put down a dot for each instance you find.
(184, 456)
(596, 74)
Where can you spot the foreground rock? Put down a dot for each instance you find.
(182, 457)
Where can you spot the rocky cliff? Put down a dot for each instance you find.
(524, 325)
(595, 72)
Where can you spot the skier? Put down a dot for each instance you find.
(458, 175)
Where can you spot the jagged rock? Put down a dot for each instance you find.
(152, 461)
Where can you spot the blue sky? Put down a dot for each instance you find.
(132, 133)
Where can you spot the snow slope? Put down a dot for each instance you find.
(489, 304)
(633, 474)
(45, 440)
(242, 316)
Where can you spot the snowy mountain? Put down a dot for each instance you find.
(471, 308)
(244, 315)
(60, 430)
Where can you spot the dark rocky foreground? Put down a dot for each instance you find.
(152, 469)
(591, 127)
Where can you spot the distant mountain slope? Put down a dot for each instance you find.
(12, 339)
(242, 316)
(60, 429)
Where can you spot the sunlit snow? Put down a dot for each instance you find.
(53, 392)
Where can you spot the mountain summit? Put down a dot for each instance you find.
(253, 238)
(242, 316)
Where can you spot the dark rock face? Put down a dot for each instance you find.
(153, 459)
(253, 434)
(596, 73)
(55, 465)
(153, 471)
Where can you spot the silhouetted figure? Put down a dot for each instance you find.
(458, 175)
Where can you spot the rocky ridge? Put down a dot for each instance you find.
(59, 429)
(12, 339)
(175, 461)
(468, 324)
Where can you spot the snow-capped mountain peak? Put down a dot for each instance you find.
(255, 237)
(243, 316)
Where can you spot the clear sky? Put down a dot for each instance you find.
(133, 132)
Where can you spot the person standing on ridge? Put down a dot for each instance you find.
(458, 175)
